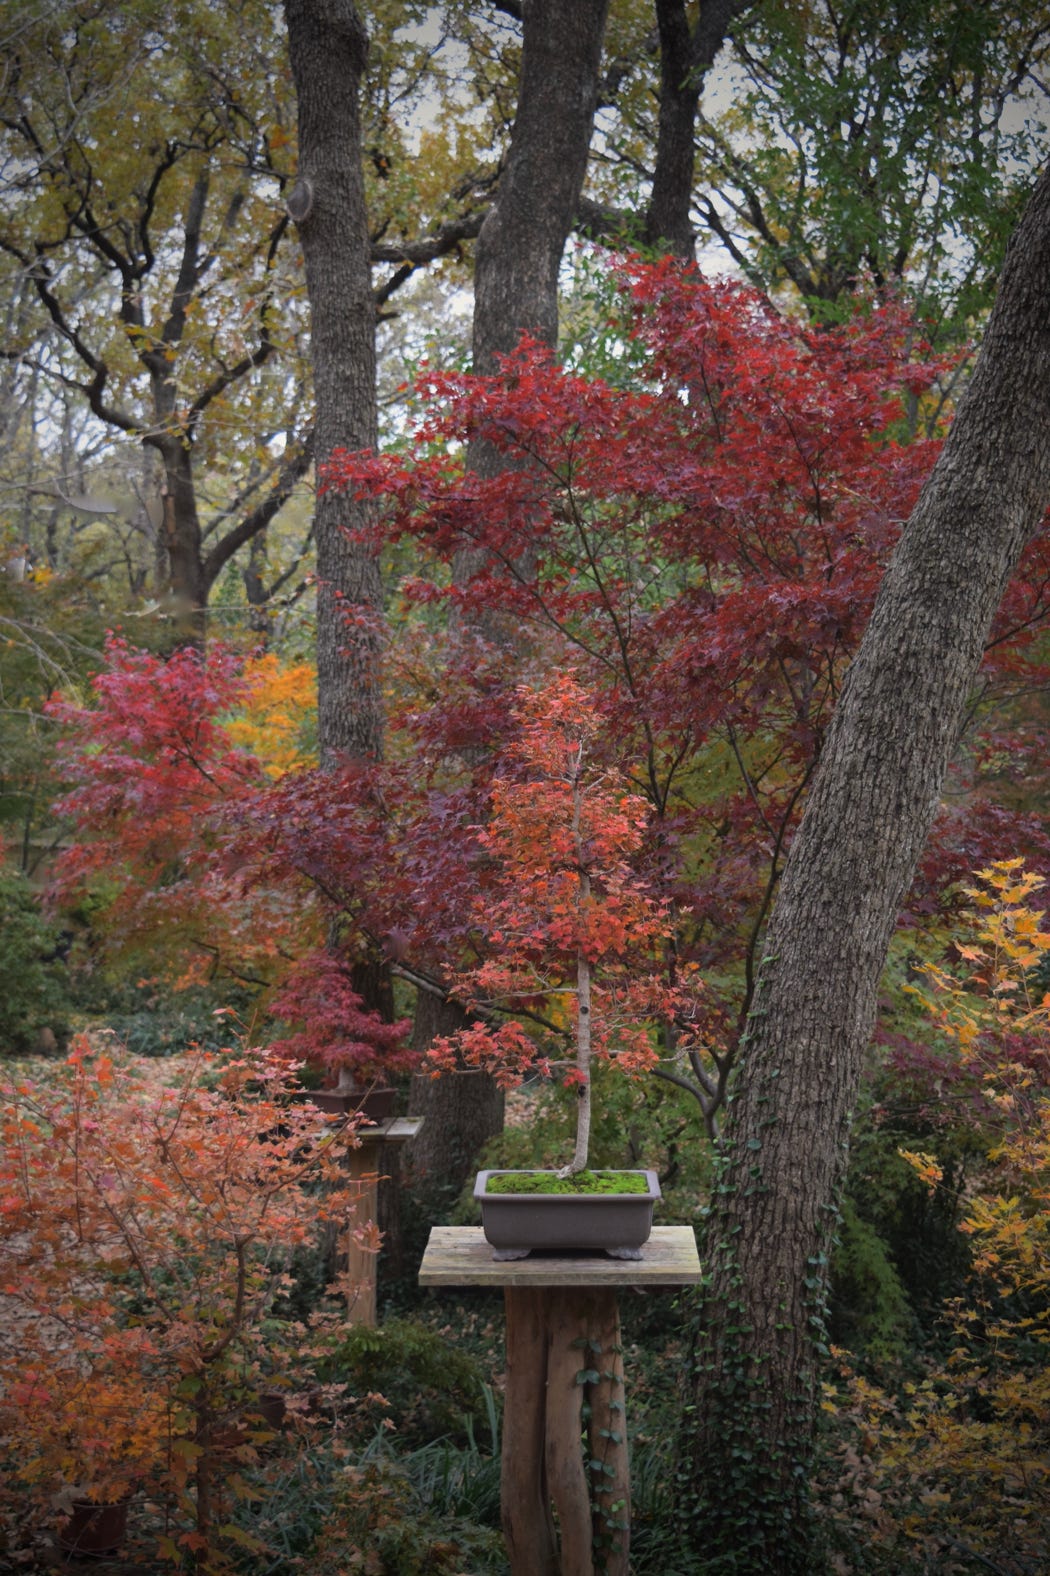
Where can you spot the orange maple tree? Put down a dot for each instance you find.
(566, 922)
(146, 1234)
(276, 721)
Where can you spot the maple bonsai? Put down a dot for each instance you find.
(567, 924)
(333, 1032)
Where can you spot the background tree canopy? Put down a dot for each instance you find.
(367, 366)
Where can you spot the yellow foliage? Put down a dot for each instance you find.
(278, 722)
(972, 1441)
(1006, 947)
(926, 1166)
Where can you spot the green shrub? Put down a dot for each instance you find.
(152, 1021)
(411, 1516)
(917, 1229)
(33, 989)
(868, 1309)
(425, 1387)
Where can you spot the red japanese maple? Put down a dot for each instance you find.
(566, 919)
(330, 1028)
(700, 543)
(153, 770)
(189, 852)
(703, 545)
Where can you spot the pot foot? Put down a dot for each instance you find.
(624, 1253)
(504, 1255)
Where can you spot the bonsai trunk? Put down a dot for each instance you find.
(583, 996)
(583, 1061)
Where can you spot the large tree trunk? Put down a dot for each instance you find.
(686, 53)
(328, 47)
(181, 535)
(874, 795)
(522, 241)
(520, 246)
(519, 253)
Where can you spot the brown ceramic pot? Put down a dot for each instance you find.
(614, 1223)
(94, 1528)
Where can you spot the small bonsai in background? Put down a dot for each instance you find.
(331, 1031)
(569, 929)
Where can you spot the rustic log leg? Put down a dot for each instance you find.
(607, 1439)
(360, 1263)
(569, 1315)
(528, 1525)
(563, 1350)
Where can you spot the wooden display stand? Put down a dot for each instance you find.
(563, 1351)
(363, 1165)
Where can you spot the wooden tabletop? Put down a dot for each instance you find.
(393, 1130)
(460, 1256)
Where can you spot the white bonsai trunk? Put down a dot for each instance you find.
(583, 1065)
(583, 998)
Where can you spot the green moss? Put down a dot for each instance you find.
(583, 1182)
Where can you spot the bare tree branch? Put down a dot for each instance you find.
(292, 472)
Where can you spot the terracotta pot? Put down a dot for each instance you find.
(520, 1223)
(94, 1528)
(376, 1104)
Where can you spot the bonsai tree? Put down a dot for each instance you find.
(331, 1031)
(566, 923)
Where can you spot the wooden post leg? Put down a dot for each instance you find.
(528, 1525)
(607, 1439)
(570, 1315)
(563, 1350)
(361, 1264)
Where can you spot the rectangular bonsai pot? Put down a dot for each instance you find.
(520, 1223)
(377, 1105)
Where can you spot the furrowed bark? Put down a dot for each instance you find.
(328, 47)
(874, 795)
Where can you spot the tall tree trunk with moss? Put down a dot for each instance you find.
(750, 1428)
(328, 47)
